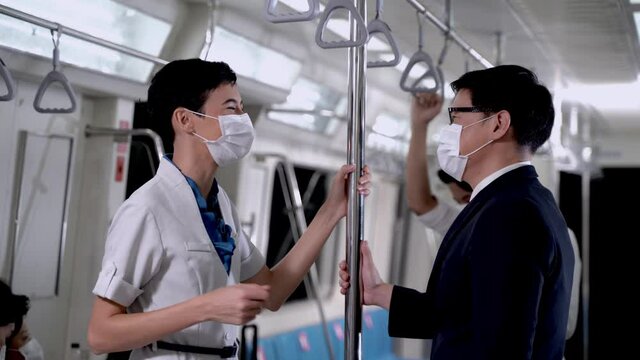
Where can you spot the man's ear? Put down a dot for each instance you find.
(182, 120)
(501, 124)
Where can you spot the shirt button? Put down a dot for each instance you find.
(227, 336)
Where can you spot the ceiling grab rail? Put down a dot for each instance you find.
(361, 36)
(9, 82)
(272, 15)
(445, 47)
(378, 26)
(53, 77)
(211, 28)
(431, 72)
(452, 33)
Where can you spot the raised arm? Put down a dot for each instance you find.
(424, 108)
(289, 272)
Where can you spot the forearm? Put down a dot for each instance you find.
(419, 196)
(290, 271)
(123, 331)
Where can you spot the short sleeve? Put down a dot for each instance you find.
(133, 255)
(251, 259)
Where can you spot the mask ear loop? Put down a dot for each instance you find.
(483, 146)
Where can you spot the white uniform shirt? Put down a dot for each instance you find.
(158, 254)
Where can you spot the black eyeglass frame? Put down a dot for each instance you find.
(471, 109)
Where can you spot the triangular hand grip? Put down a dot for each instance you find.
(431, 72)
(381, 27)
(54, 76)
(8, 80)
(273, 16)
(361, 37)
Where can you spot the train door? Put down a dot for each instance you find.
(38, 158)
(613, 248)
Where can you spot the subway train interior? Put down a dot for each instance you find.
(324, 85)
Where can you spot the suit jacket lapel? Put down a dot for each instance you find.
(469, 212)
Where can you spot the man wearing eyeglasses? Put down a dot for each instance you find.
(501, 282)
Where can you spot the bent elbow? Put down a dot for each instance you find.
(421, 207)
(273, 305)
(97, 343)
(414, 207)
(418, 208)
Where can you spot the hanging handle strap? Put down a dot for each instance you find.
(431, 73)
(276, 17)
(381, 27)
(8, 80)
(53, 77)
(362, 35)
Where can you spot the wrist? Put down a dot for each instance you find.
(329, 214)
(381, 295)
(199, 308)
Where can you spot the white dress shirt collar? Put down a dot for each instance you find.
(489, 179)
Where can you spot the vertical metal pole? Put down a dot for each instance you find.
(587, 159)
(355, 215)
(586, 190)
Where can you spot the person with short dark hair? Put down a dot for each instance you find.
(12, 312)
(179, 274)
(501, 283)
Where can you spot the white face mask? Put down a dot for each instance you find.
(32, 350)
(235, 141)
(449, 149)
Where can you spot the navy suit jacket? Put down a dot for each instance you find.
(501, 281)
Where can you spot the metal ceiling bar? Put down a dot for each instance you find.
(17, 14)
(452, 34)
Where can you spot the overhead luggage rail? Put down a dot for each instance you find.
(8, 80)
(55, 76)
(378, 26)
(361, 36)
(5, 10)
(271, 13)
(451, 33)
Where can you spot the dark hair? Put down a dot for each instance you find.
(14, 307)
(448, 179)
(184, 83)
(518, 91)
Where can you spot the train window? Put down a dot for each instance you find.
(389, 134)
(312, 107)
(313, 185)
(253, 60)
(104, 19)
